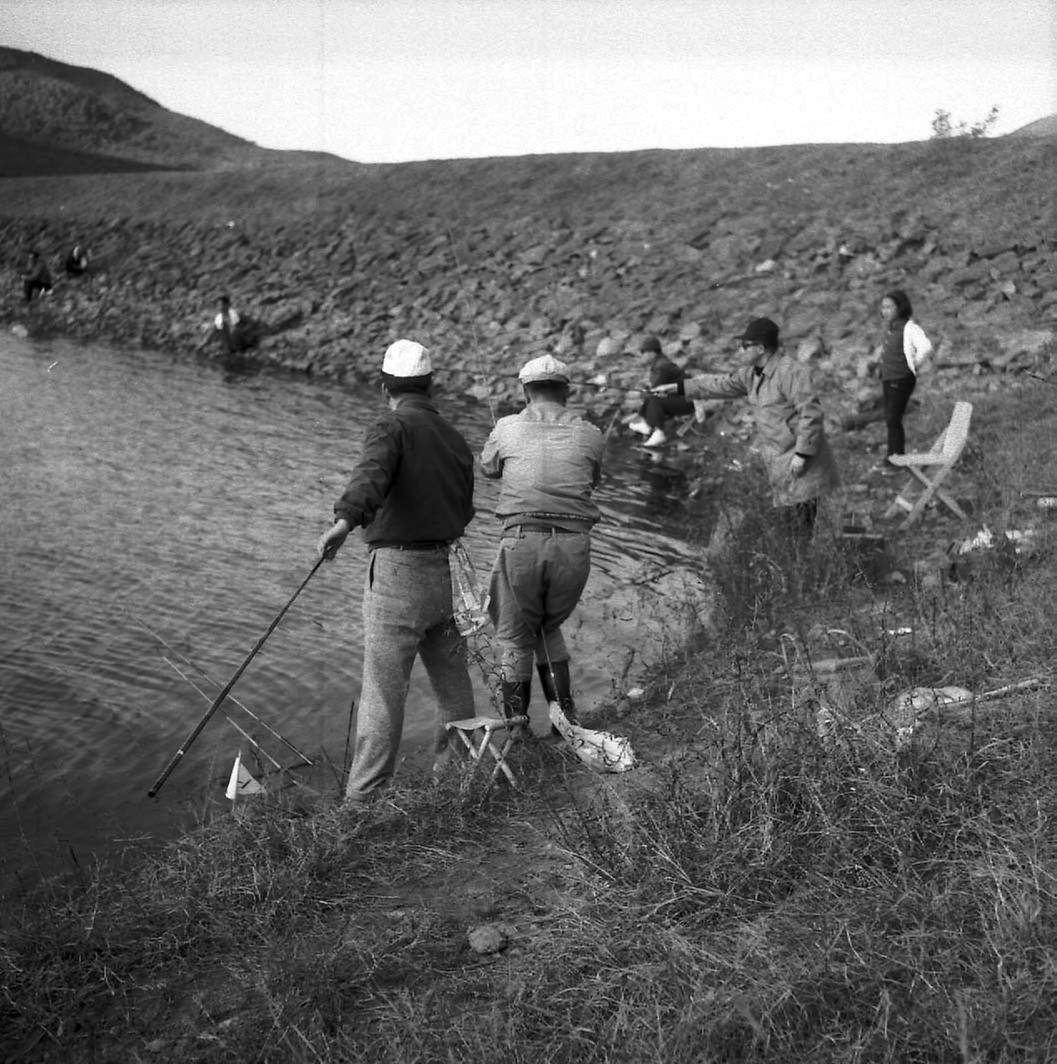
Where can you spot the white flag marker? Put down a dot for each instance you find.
(241, 781)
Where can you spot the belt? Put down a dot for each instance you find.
(422, 544)
(536, 526)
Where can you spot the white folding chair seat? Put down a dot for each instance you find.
(938, 462)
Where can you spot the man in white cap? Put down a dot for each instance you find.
(412, 493)
(549, 460)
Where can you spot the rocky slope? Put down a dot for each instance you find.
(494, 261)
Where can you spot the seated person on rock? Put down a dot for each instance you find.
(36, 281)
(657, 410)
(227, 326)
(76, 263)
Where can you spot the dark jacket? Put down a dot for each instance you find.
(664, 371)
(893, 359)
(789, 421)
(413, 482)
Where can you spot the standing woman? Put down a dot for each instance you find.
(904, 347)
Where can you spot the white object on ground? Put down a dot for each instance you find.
(985, 540)
(599, 750)
(241, 782)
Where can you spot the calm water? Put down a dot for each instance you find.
(155, 517)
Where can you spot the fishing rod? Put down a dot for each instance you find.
(258, 749)
(207, 716)
(209, 679)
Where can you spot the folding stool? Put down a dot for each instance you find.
(497, 736)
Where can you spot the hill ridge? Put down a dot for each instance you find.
(59, 118)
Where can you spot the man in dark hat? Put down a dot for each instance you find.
(789, 424)
(549, 460)
(412, 493)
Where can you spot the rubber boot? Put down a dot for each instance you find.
(515, 695)
(554, 679)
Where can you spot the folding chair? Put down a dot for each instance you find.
(945, 452)
(491, 729)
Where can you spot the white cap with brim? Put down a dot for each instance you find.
(406, 358)
(544, 368)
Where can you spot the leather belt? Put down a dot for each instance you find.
(536, 526)
(424, 544)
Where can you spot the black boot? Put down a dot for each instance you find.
(515, 695)
(554, 679)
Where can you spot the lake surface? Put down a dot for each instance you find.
(156, 515)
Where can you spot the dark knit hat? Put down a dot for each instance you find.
(761, 331)
(651, 343)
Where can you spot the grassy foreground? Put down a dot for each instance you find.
(755, 892)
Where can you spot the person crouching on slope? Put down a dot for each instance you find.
(412, 493)
(789, 424)
(549, 461)
(657, 410)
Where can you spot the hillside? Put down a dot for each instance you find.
(58, 118)
(1041, 127)
(495, 260)
(24, 158)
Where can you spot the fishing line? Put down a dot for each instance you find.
(196, 731)
(482, 372)
(209, 679)
(258, 749)
(486, 378)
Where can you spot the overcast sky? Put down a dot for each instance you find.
(394, 80)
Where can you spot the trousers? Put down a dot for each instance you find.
(407, 613)
(536, 582)
(657, 409)
(896, 394)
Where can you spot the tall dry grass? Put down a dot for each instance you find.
(760, 890)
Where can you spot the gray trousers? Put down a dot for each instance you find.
(407, 613)
(537, 581)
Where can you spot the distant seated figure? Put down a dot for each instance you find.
(37, 278)
(657, 410)
(76, 262)
(226, 327)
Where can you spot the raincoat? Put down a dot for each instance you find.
(788, 422)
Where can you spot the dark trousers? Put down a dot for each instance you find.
(34, 287)
(659, 408)
(896, 395)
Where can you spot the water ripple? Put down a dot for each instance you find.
(142, 495)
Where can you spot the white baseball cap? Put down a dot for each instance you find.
(544, 368)
(406, 358)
